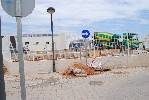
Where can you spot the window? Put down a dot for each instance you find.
(47, 42)
(104, 36)
(26, 43)
(37, 42)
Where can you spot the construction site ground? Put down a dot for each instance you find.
(117, 84)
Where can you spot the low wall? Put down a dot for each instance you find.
(45, 66)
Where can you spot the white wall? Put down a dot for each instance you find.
(147, 42)
(5, 48)
(60, 43)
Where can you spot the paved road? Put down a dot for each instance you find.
(106, 86)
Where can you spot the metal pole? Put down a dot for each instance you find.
(86, 50)
(20, 49)
(94, 44)
(128, 42)
(94, 51)
(20, 56)
(80, 50)
(114, 43)
(54, 70)
(2, 81)
(123, 45)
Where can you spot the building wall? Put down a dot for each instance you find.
(6, 48)
(59, 42)
(147, 42)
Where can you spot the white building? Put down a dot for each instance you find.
(33, 42)
(40, 42)
(146, 42)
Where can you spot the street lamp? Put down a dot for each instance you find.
(51, 10)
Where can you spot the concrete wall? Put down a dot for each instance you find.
(45, 66)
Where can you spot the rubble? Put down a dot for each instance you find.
(80, 70)
(81, 75)
(5, 69)
(102, 69)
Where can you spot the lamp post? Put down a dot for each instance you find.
(51, 10)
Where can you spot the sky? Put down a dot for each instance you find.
(73, 16)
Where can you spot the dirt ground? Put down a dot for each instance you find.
(117, 84)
